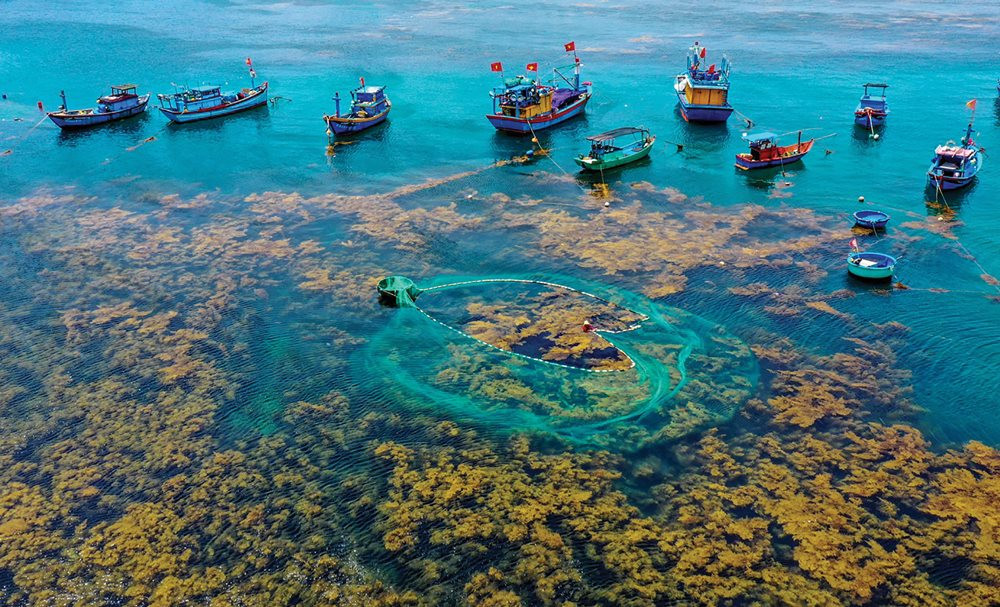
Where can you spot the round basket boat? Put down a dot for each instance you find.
(871, 266)
(871, 219)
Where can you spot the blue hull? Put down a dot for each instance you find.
(877, 121)
(950, 184)
(342, 128)
(80, 121)
(703, 113)
(240, 106)
(524, 126)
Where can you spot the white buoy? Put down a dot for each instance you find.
(607, 203)
(876, 136)
(861, 198)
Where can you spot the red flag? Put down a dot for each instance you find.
(854, 244)
(362, 80)
(711, 69)
(971, 105)
(531, 67)
(570, 47)
(496, 67)
(249, 63)
(703, 51)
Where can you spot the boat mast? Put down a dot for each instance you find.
(336, 100)
(63, 95)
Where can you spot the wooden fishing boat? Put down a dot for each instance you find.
(123, 102)
(204, 102)
(369, 107)
(955, 167)
(703, 92)
(872, 110)
(870, 265)
(607, 151)
(765, 151)
(523, 105)
(871, 219)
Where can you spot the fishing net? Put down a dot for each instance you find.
(591, 364)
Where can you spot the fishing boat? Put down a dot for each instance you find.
(123, 102)
(872, 109)
(871, 265)
(523, 105)
(204, 102)
(765, 151)
(608, 150)
(369, 106)
(703, 92)
(953, 166)
(871, 219)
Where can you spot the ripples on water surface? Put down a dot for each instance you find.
(202, 400)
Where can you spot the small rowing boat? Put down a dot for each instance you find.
(607, 150)
(871, 219)
(123, 102)
(369, 107)
(765, 151)
(870, 265)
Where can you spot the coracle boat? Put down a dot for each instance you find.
(703, 92)
(369, 106)
(607, 152)
(871, 219)
(123, 102)
(765, 151)
(872, 110)
(870, 265)
(955, 167)
(523, 105)
(204, 102)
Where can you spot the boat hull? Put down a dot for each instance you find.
(524, 126)
(862, 120)
(746, 162)
(881, 272)
(706, 114)
(69, 121)
(250, 102)
(343, 125)
(589, 164)
(948, 183)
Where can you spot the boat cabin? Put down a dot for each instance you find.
(122, 97)
(762, 145)
(368, 100)
(951, 161)
(520, 97)
(875, 101)
(705, 85)
(197, 98)
(608, 142)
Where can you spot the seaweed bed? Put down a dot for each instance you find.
(183, 419)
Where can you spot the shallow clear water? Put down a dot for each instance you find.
(212, 204)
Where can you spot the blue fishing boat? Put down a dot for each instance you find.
(204, 102)
(123, 102)
(523, 105)
(703, 92)
(953, 166)
(369, 106)
(872, 109)
(871, 265)
(871, 219)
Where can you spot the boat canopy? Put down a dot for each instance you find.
(206, 90)
(759, 137)
(876, 85)
(619, 132)
(955, 152)
(123, 89)
(518, 81)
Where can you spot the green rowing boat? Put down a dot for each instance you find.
(608, 152)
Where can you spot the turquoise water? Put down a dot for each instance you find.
(267, 176)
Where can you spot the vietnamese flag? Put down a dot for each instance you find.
(249, 63)
(531, 67)
(570, 47)
(496, 67)
(703, 51)
(971, 105)
(711, 69)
